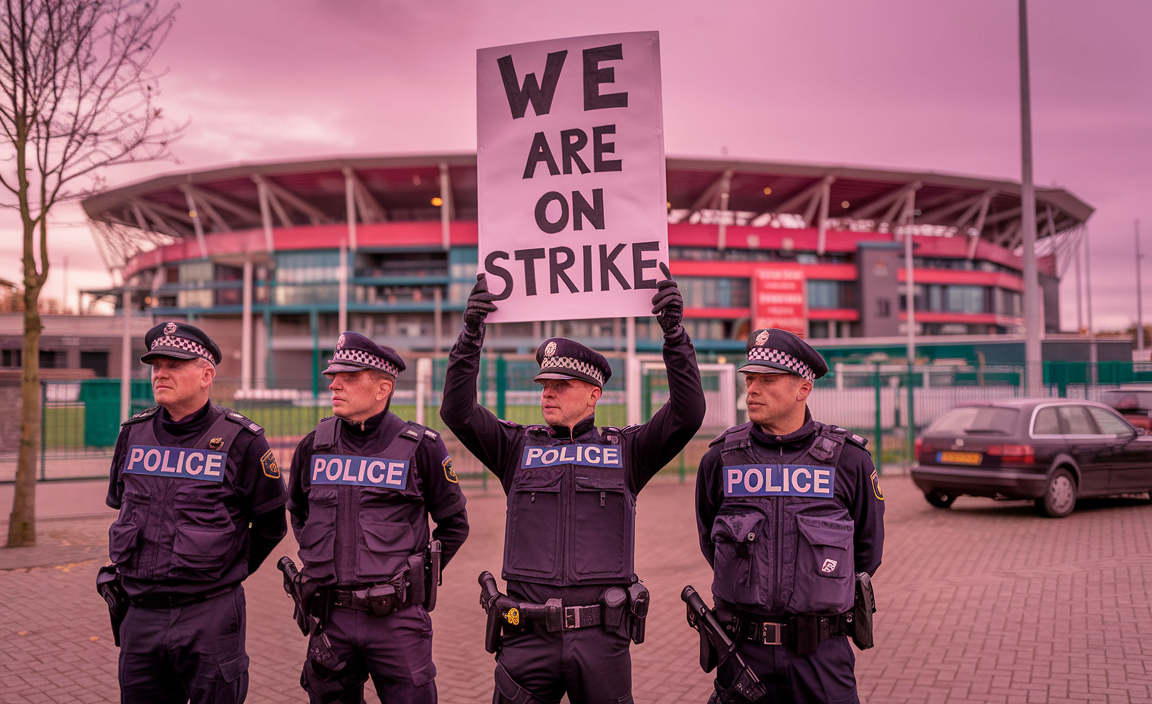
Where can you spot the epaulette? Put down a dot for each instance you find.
(540, 429)
(431, 434)
(414, 431)
(142, 415)
(857, 440)
(244, 422)
(720, 438)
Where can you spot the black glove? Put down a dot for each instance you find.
(667, 303)
(479, 304)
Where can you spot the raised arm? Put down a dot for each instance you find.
(659, 440)
(488, 438)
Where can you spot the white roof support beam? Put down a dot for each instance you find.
(978, 228)
(266, 214)
(314, 214)
(199, 227)
(822, 223)
(893, 198)
(197, 203)
(350, 206)
(809, 195)
(447, 211)
(228, 205)
(274, 202)
(710, 198)
(1005, 215)
(369, 208)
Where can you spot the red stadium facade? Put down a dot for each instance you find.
(254, 253)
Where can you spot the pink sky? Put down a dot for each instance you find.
(887, 83)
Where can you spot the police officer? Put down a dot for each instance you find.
(571, 487)
(201, 505)
(363, 485)
(789, 510)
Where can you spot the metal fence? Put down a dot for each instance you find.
(81, 419)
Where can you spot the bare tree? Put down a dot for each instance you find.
(76, 95)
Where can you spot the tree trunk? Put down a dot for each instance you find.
(22, 521)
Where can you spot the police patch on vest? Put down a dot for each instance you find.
(176, 463)
(803, 480)
(268, 464)
(350, 470)
(449, 474)
(583, 455)
(876, 485)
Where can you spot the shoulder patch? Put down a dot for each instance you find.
(244, 421)
(269, 466)
(449, 474)
(146, 413)
(876, 485)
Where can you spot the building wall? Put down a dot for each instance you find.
(877, 265)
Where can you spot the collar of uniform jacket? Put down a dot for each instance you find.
(561, 432)
(800, 437)
(367, 427)
(195, 423)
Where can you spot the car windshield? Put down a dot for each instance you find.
(1121, 400)
(976, 420)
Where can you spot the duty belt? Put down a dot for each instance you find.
(362, 598)
(175, 601)
(785, 629)
(553, 618)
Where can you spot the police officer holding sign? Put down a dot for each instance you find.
(363, 485)
(201, 505)
(573, 599)
(791, 519)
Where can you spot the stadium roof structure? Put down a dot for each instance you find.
(142, 216)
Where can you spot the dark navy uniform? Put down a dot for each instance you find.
(786, 522)
(361, 496)
(182, 544)
(571, 513)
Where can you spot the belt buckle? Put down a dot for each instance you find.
(571, 617)
(776, 629)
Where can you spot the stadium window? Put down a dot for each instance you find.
(10, 358)
(883, 308)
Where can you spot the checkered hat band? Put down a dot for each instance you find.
(574, 365)
(362, 357)
(780, 357)
(183, 343)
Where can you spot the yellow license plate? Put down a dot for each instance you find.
(960, 457)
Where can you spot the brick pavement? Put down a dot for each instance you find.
(985, 602)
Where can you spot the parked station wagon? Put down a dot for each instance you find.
(1053, 451)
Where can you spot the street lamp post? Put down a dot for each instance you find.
(1034, 370)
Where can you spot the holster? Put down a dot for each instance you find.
(109, 587)
(324, 660)
(862, 612)
(638, 600)
(383, 599)
(613, 601)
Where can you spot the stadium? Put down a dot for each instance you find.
(253, 254)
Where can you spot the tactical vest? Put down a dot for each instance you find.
(369, 518)
(178, 517)
(783, 540)
(571, 515)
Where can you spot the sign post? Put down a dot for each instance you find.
(571, 176)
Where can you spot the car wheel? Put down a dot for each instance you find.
(939, 499)
(1059, 496)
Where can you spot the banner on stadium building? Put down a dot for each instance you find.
(571, 176)
(780, 298)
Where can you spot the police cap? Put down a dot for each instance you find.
(774, 351)
(355, 353)
(561, 358)
(179, 340)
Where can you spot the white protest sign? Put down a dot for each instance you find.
(571, 181)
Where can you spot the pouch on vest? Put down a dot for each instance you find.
(738, 575)
(825, 578)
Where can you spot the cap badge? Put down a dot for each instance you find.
(762, 338)
(169, 328)
(340, 342)
(550, 349)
